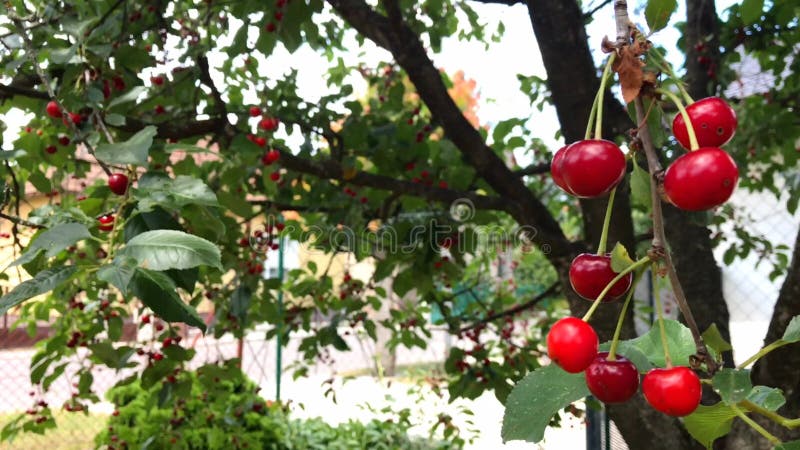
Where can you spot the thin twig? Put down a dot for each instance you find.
(659, 250)
(659, 240)
(512, 311)
(19, 221)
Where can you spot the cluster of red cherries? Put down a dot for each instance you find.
(699, 180)
(573, 345)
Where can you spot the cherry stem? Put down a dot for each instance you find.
(590, 121)
(601, 248)
(771, 415)
(598, 128)
(768, 348)
(755, 425)
(689, 126)
(666, 67)
(629, 269)
(661, 327)
(612, 351)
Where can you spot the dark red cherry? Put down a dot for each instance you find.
(118, 183)
(612, 381)
(592, 167)
(701, 179)
(713, 120)
(555, 170)
(589, 274)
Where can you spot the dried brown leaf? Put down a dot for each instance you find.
(629, 68)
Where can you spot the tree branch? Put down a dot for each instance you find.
(534, 169)
(659, 238)
(332, 170)
(516, 309)
(408, 51)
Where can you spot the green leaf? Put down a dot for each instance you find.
(115, 120)
(620, 259)
(240, 302)
(658, 12)
(714, 339)
(751, 11)
(767, 397)
(536, 398)
(158, 189)
(44, 281)
(116, 358)
(791, 445)
(732, 385)
(792, 333)
(53, 241)
(679, 339)
(133, 151)
(171, 249)
(129, 96)
(640, 187)
(119, 273)
(158, 292)
(707, 423)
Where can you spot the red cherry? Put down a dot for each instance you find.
(572, 344)
(713, 120)
(53, 110)
(675, 391)
(119, 83)
(260, 141)
(63, 140)
(75, 118)
(592, 167)
(51, 149)
(278, 15)
(157, 80)
(275, 176)
(589, 274)
(442, 184)
(146, 318)
(106, 222)
(270, 27)
(555, 170)
(701, 180)
(255, 111)
(612, 381)
(273, 155)
(159, 109)
(269, 124)
(118, 183)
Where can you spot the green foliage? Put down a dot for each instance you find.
(658, 13)
(217, 407)
(534, 400)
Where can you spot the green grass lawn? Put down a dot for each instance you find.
(75, 431)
